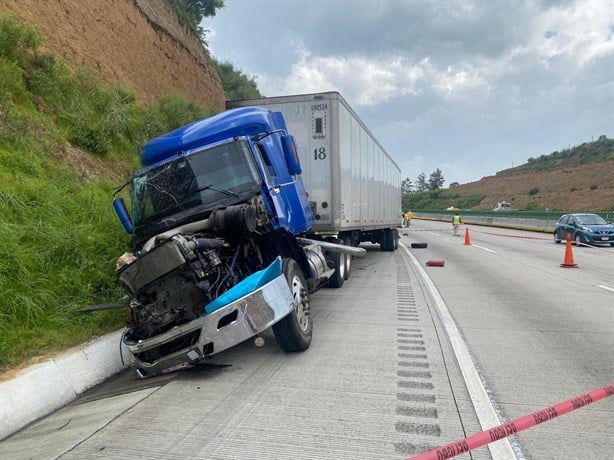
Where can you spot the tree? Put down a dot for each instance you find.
(192, 12)
(436, 180)
(407, 185)
(421, 184)
(236, 84)
(453, 184)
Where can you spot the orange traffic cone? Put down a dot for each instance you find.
(467, 239)
(568, 261)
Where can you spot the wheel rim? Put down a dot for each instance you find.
(577, 240)
(301, 303)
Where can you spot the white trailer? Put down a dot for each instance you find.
(354, 186)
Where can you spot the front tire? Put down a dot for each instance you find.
(293, 333)
(578, 240)
(557, 240)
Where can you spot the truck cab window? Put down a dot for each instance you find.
(269, 170)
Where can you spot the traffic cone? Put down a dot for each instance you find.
(467, 239)
(568, 261)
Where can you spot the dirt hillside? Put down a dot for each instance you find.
(573, 188)
(137, 43)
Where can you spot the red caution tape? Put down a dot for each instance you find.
(507, 429)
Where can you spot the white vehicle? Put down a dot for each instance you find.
(503, 206)
(354, 186)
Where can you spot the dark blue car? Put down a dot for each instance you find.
(584, 229)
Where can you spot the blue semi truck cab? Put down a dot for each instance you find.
(218, 218)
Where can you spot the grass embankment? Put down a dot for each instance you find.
(59, 234)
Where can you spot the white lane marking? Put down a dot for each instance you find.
(483, 248)
(605, 287)
(433, 233)
(502, 449)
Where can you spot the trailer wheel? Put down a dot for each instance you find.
(339, 260)
(293, 333)
(347, 241)
(387, 240)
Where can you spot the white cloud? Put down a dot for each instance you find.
(470, 85)
(459, 82)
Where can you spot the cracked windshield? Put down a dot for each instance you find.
(203, 179)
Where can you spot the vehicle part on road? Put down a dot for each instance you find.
(436, 263)
(419, 245)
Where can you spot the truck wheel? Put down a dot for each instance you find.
(336, 281)
(383, 240)
(388, 237)
(293, 333)
(347, 241)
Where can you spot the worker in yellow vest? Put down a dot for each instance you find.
(456, 221)
(407, 218)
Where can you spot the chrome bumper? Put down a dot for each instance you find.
(217, 331)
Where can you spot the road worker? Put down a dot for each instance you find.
(456, 221)
(407, 218)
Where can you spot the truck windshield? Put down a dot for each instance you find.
(204, 179)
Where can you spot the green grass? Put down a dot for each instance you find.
(60, 236)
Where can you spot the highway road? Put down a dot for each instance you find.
(405, 357)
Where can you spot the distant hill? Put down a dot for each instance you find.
(589, 152)
(577, 179)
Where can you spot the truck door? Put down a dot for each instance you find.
(287, 193)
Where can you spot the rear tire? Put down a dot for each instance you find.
(336, 281)
(293, 333)
(347, 241)
(557, 240)
(387, 240)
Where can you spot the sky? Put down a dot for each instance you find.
(471, 87)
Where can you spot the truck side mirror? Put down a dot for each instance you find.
(122, 213)
(290, 154)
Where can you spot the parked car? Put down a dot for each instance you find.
(584, 229)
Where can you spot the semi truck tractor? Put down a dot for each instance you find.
(221, 242)
(354, 186)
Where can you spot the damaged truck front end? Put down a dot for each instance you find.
(174, 322)
(215, 216)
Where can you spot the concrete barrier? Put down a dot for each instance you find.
(42, 388)
(518, 223)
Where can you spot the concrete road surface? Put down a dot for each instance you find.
(383, 379)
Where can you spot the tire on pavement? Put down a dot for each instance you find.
(293, 333)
